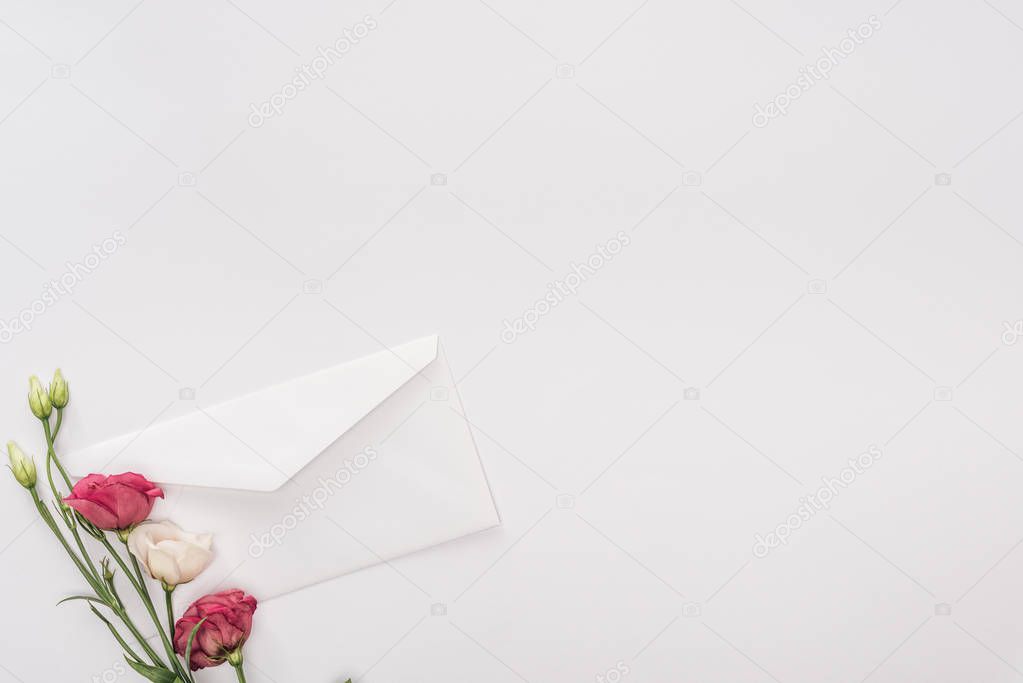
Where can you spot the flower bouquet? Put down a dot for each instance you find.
(110, 514)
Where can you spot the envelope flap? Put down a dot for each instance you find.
(259, 440)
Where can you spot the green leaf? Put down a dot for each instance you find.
(191, 638)
(153, 673)
(102, 618)
(83, 597)
(114, 633)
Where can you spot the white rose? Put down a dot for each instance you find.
(169, 554)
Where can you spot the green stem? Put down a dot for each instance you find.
(85, 554)
(51, 457)
(118, 609)
(141, 588)
(122, 614)
(116, 635)
(56, 425)
(114, 594)
(51, 454)
(123, 644)
(49, 477)
(168, 592)
(170, 610)
(124, 567)
(147, 600)
(241, 674)
(44, 512)
(138, 570)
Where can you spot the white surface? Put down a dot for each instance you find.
(648, 562)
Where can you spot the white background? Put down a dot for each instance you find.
(133, 117)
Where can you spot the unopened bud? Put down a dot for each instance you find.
(59, 394)
(38, 399)
(22, 466)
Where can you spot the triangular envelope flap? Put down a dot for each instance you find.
(259, 440)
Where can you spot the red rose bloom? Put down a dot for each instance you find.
(114, 503)
(228, 616)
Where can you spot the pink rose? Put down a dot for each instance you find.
(228, 616)
(114, 503)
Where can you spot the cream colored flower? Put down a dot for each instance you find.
(169, 554)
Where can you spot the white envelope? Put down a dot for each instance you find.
(318, 476)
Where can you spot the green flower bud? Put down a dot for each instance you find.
(59, 395)
(38, 399)
(22, 466)
(108, 573)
